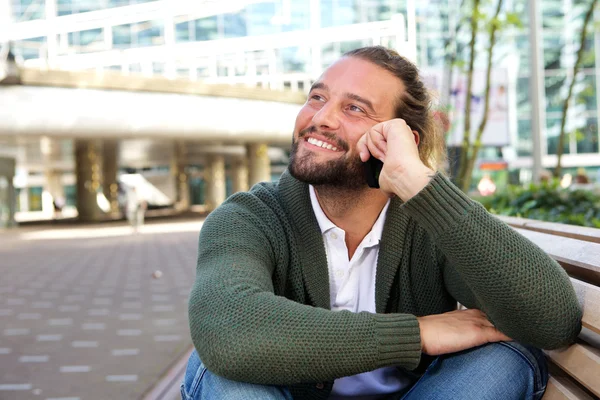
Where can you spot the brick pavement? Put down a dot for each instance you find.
(81, 316)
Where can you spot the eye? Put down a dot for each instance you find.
(354, 108)
(316, 97)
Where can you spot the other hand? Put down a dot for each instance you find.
(457, 330)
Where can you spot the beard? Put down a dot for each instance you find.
(346, 172)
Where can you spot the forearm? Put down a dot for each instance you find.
(522, 290)
(251, 335)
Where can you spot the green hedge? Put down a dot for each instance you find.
(547, 202)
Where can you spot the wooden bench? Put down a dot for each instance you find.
(574, 371)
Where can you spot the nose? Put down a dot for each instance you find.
(326, 118)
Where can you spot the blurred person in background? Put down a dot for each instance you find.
(319, 287)
(136, 209)
(582, 176)
(58, 203)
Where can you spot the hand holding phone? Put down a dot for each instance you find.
(398, 144)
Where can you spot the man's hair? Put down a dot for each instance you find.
(413, 104)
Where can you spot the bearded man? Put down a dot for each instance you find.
(320, 287)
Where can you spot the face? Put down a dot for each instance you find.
(349, 98)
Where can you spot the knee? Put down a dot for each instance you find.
(201, 384)
(191, 378)
(507, 370)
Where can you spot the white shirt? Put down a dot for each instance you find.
(352, 288)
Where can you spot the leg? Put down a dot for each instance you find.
(132, 222)
(140, 216)
(505, 370)
(201, 384)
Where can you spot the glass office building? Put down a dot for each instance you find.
(561, 19)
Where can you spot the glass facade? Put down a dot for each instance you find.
(561, 24)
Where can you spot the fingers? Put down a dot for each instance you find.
(372, 143)
(492, 334)
(490, 331)
(377, 145)
(363, 148)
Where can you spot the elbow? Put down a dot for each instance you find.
(215, 354)
(217, 347)
(567, 333)
(224, 358)
(561, 331)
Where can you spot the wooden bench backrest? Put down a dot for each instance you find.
(575, 371)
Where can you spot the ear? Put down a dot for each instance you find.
(417, 137)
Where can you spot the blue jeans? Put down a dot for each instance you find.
(504, 371)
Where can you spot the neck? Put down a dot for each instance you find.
(354, 211)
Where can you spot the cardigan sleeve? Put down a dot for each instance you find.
(489, 266)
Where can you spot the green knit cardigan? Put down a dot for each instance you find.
(259, 309)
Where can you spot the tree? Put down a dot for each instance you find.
(470, 150)
(471, 156)
(578, 62)
(478, 23)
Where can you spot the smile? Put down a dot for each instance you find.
(319, 143)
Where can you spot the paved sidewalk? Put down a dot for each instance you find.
(81, 315)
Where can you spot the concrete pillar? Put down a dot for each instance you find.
(259, 163)
(214, 176)
(180, 177)
(88, 173)
(239, 174)
(110, 169)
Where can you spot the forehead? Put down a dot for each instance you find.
(364, 78)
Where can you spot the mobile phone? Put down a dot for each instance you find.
(373, 168)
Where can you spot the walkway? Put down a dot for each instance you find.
(83, 317)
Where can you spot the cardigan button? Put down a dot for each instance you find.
(320, 385)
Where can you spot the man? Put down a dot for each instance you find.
(136, 208)
(319, 287)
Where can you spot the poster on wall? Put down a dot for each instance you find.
(496, 132)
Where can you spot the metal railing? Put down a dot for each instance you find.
(251, 60)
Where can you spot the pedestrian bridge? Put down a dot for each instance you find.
(87, 104)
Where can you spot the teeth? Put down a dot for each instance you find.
(322, 144)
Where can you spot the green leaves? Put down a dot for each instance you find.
(547, 202)
(512, 19)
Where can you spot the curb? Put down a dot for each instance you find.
(167, 387)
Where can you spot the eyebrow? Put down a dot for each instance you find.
(355, 97)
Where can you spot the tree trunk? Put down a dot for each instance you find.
(466, 182)
(565, 108)
(451, 51)
(467, 125)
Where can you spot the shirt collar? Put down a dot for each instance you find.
(325, 224)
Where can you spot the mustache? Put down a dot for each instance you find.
(339, 143)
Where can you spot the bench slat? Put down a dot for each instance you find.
(579, 258)
(571, 231)
(562, 389)
(515, 221)
(580, 362)
(589, 298)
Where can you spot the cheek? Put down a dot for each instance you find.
(304, 118)
(356, 131)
